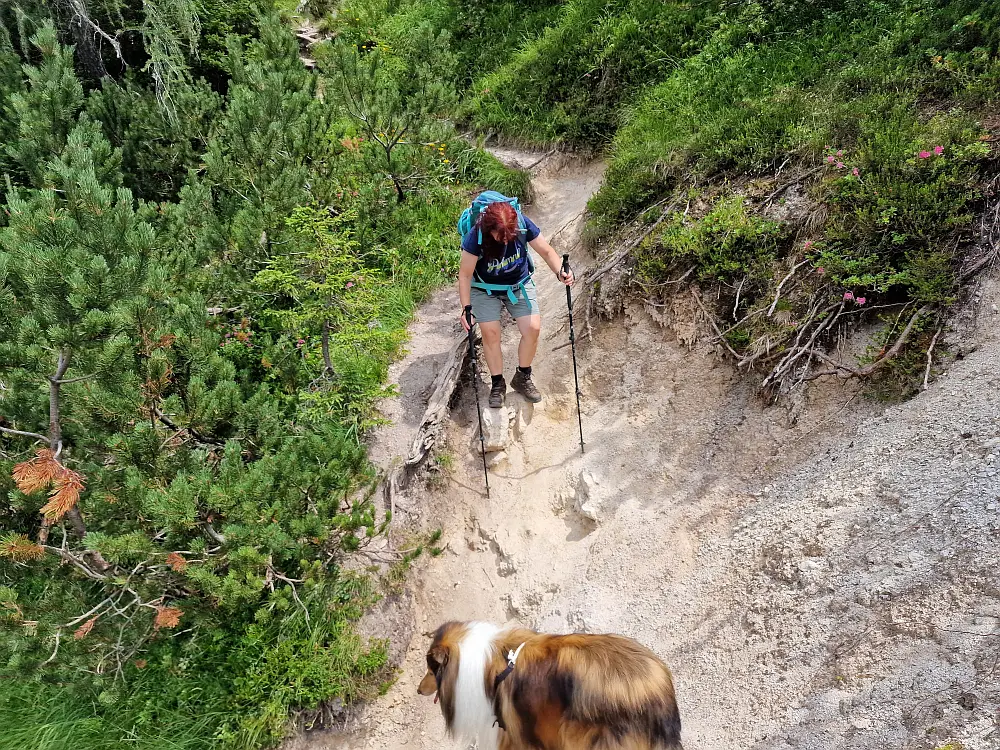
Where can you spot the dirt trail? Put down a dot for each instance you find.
(817, 575)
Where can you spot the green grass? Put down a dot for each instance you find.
(858, 80)
(40, 716)
(232, 684)
(571, 81)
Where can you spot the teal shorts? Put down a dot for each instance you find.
(487, 307)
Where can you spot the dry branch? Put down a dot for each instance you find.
(849, 372)
(930, 356)
(594, 275)
(22, 433)
(777, 292)
(205, 441)
(711, 319)
(797, 351)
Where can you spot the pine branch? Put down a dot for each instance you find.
(22, 433)
(212, 534)
(67, 556)
(204, 441)
(77, 380)
(55, 426)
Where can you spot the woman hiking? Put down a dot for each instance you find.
(495, 272)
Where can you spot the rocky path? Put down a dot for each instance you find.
(817, 575)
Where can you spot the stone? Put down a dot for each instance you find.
(495, 459)
(496, 429)
(563, 499)
(524, 412)
(576, 622)
(506, 567)
(587, 500)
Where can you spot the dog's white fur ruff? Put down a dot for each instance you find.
(473, 711)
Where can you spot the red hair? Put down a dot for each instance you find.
(501, 218)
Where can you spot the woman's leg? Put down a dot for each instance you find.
(528, 317)
(529, 326)
(487, 310)
(491, 345)
(529, 323)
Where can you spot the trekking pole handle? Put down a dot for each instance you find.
(565, 265)
(468, 315)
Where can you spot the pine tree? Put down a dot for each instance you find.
(181, 480)
(158, 150)
(273, 134)
(73, 270)
(394, 107)
(44, 115)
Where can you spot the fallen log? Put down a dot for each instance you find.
(431, 424)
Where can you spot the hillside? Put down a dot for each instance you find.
(787, 156)
(219, 221)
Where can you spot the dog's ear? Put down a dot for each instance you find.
(437, 658)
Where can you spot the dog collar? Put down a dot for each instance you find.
(511, 661)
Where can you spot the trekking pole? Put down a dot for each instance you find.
(572, 342)
(475, 388)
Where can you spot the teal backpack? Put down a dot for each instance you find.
(470, 216)
(470, 219)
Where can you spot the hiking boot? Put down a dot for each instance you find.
(523, 385)
(497, 393)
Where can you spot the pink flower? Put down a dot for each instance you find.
(840, 153)
(840, 165)
(924, 154)
(848, 296)
(809, 244)
(939, 150)
(860, 300)
(855, 172)
(821, 270)
(826, 148)
(349, 284)
(831, 159)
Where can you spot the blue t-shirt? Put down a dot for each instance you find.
(512, 266)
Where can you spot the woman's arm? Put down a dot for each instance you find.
(465, 271)
(541, 246)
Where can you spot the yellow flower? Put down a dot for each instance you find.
(446, 161)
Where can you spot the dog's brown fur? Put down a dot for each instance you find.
(603, 692)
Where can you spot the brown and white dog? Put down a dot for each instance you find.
(516, 689)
